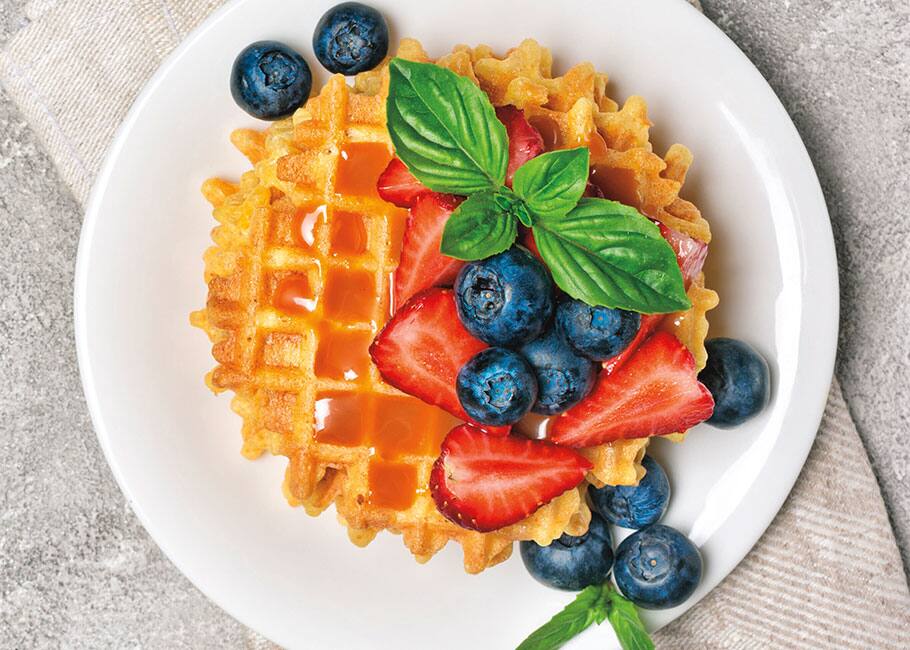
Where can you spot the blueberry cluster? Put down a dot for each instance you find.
(545, 355)
(656, 567)
(271, 80)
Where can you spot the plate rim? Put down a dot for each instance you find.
(101, 185)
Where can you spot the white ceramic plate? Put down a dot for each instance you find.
(173, 447)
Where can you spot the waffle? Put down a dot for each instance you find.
(290, 369)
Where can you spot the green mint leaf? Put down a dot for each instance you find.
(590, 606)
(444, 129)
(478, 228)
(606, 253)
(594, 604)
(551, 184)
(623, 616)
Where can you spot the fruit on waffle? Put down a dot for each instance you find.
(332, 323)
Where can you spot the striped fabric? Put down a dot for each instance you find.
(826, 574)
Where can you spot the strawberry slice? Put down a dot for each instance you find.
(485, 483)
(525, 142)
(398, 185)
(654, 393)
(649, 323)
(422, 265)
(422, 348)
(690, 253)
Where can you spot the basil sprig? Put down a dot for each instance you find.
(594, 604)
(445, 130)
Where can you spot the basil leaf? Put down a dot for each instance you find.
(552, 183)
(588, 607)
(445, 130)
(478, 228)
(606, 253)
(623, 616)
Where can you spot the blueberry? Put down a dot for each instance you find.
(634, 506)
(564, 377)
(597, 332)
(351, 38)
(506, 299)
(657, 567)
(572, 563)
(739, 380)
(270, 81)
(496, 386)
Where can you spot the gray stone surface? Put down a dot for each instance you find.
(12, 18)
(77, 570)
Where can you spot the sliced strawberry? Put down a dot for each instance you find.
(525, 142)
(398, 185)
(422, 265)
(485, 483)
(690, 253)
(649, 323)
(422, 348)
(654, 393)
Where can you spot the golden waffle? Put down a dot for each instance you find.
(281, 366)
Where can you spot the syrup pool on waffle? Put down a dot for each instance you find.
(394, 427)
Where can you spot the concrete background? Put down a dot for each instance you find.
(76, 568)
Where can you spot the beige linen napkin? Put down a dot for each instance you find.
(826, 574)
